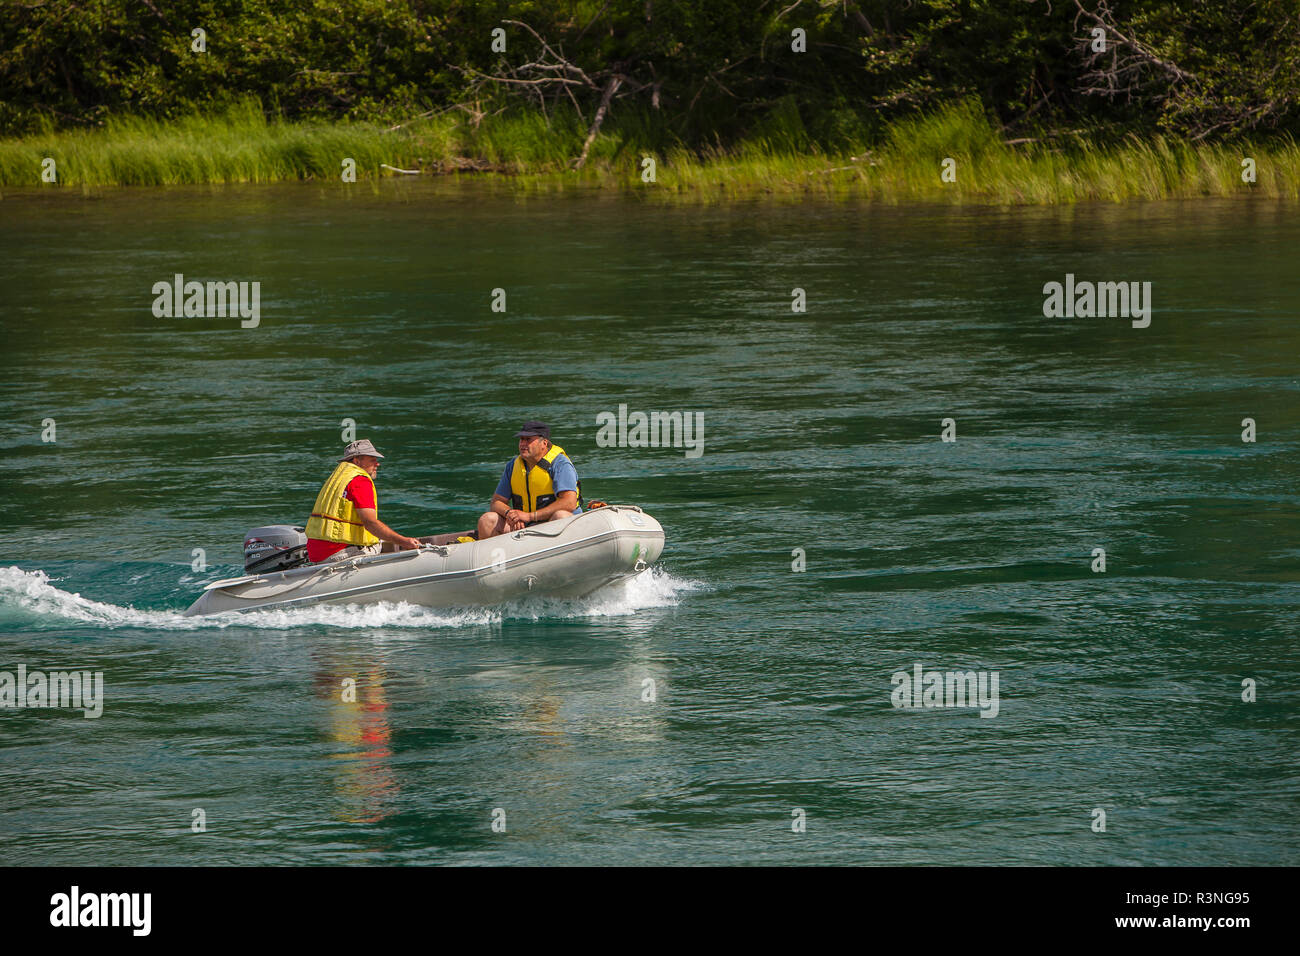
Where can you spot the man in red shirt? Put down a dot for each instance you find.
(344, 522)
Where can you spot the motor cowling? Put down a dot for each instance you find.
(275, 547)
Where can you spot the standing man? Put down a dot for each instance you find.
(540, 484)
(344, 522)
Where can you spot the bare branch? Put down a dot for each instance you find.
(601, 111)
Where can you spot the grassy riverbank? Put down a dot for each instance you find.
(904, 164)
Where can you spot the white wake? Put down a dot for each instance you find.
(30, 595)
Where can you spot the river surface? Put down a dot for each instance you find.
(826, 540)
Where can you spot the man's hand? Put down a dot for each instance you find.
(516, 519)
(408, 544)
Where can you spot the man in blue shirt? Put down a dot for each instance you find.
(540, 484)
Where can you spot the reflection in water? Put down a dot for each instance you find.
(359, 720)
(567, 723)
(542, 713)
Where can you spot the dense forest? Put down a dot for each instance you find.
(822, 74)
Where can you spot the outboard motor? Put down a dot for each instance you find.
(275, 547)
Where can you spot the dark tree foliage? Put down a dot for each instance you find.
(704, 74)
(1201, 69)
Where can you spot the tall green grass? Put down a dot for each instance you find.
(906, 166)
(238, 145)
(779, 159)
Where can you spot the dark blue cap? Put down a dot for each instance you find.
(534, 430)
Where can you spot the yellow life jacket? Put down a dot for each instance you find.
(333, 517)
(532, 489)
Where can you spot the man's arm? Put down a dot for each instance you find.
(370, 518)
(515, 519)
(500, 503)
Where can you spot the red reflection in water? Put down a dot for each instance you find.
(359, 719)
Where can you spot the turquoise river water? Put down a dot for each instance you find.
(825, 540)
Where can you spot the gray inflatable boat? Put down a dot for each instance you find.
(568, 558)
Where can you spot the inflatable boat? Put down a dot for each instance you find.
(568, 558)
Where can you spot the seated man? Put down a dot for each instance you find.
(344, 522)
(539, 485)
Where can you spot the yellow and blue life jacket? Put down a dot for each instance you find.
(532, 489)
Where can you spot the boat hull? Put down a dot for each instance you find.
(568, 558)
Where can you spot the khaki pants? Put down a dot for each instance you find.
(354, 551)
